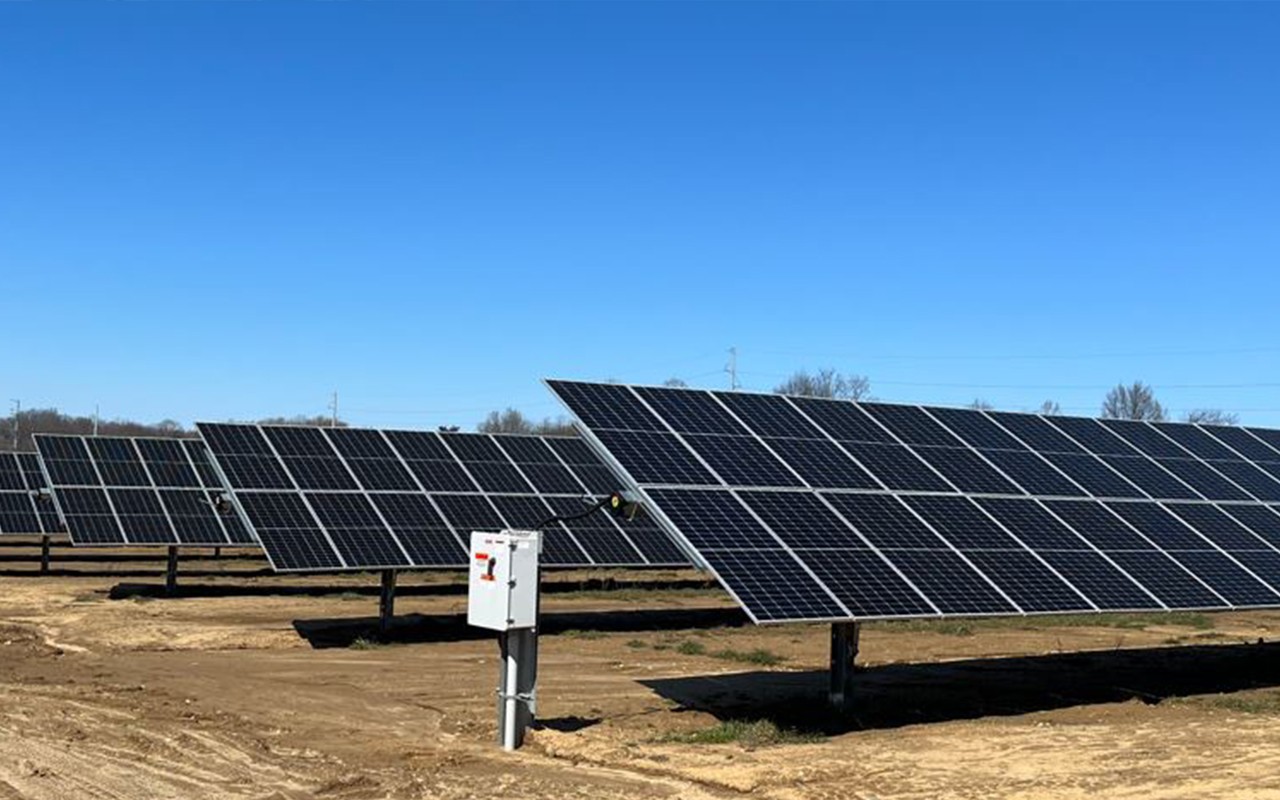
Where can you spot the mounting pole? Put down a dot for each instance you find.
(844, 649)
(387, 601)
(44, 553)
(517, 679)
(171, 571)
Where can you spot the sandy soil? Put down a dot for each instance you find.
(249, 685)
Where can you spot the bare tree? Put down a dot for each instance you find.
(1049, 408)
(311, 421)
(981, 405)
(1136, 401)
(1211, 416)
(826, 383)
(512, 421)
(675, 383)
(509, 421)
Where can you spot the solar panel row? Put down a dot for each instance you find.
(351, 498)
(22, 509)
(811, 509)
(117, 490)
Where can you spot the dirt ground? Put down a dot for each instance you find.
(249, 685)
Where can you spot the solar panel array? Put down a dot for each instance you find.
(114, 490)
(325, 499)
(812, 509)
(22, 510)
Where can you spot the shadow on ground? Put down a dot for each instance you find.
(415, 628)
(127, 591)
(894, 695)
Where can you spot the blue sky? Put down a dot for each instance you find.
(217, 211)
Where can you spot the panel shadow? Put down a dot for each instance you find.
(895, 695)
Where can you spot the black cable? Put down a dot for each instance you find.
(570, 517)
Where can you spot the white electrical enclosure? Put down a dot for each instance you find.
(502, 590)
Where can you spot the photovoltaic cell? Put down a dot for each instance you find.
(842, 421)
(609, 407)
(1101, 528)
(885, 521)
(865, 583)
(719, 521)
(1196, 441)
(773, 586)
(947, 580)
(912, 425)
(1252, 480)
(1216, 525)
(822, 464)
(693, 412)
(1093, 475)
(962, 523)
(658, 458)
(1028, 582)
(1093, 436)
(896, 467)
(966, 470)
(1148, 476)
(1263, 521)
(1242, 442)
(1203, 479)
(768, 418)
(1228, 579)
(1270, 437)
(1165, 531)
(741, 461)
(802, 520)
(1032, 524)
(1035, 432)
(1167, 580)
(976, 429)
(1100, 580)
(1145, 438)
(1035, 475)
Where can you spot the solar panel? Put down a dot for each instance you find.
(22, 509)
(330, 499)
(114, 490)
(824, 510)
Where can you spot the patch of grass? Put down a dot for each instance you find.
(1240, 702)
(636, 644)
(754, 733)
(946, 627)
(646, 595)
(367, 644)
(760, 656)
(350, 596)
(577, 634)
(689, 648)
(87, 597)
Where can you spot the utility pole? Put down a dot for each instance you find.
(17, 412)
(732, 368)
(95, 419)
(333, 406)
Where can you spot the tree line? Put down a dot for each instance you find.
(49, 420)
(1135, 401)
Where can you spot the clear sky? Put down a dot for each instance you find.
(217, 211)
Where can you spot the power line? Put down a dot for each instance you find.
(1021, 356)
